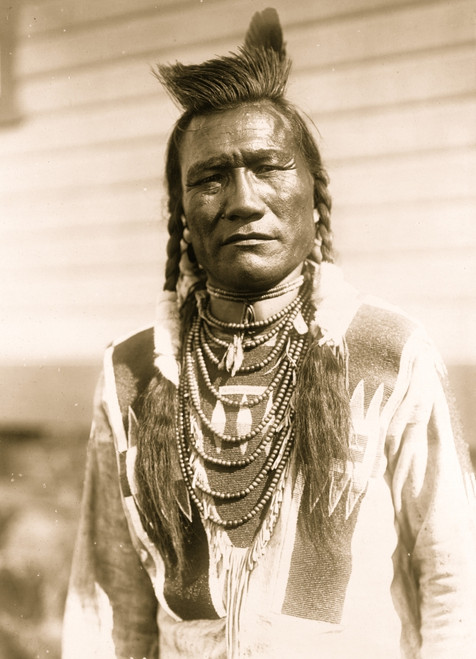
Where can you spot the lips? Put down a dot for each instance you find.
(252, 237)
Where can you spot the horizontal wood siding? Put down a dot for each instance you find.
(390, 84)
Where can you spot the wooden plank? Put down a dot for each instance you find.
(102, 288)
(435, 75)
(426, 177)
(379, 179)
(365, 86)
(450, 123)
(400, 130)
(391, 229)
(409, 29)
(150, 117)
(103, 83)
(120, 40)
(451, 328)
(169, 33)
(125, 204)
(67, 337)
(101, 246)
(37, 18)
(442, 276)
(106, 165)
(48, 15)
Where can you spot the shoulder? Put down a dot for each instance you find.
(380, 340)
(129, 367)
(381, 330)
(383, 343)
(367, 324)
(134, 350)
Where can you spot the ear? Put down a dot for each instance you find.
(187, 236)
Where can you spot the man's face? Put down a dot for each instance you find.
(247, 197)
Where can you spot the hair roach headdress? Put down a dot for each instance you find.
(259, 70)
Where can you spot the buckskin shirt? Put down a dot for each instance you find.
(403, 583)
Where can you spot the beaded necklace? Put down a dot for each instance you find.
(274, 433)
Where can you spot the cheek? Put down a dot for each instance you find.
(199, 218)
(300, 213)
(198, 238)
(298, 207)
(200, 210)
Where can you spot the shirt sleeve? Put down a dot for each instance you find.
(432, 486)
(111, 608)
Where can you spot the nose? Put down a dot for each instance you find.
(243, 200)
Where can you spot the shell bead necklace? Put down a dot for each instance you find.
(287, 376)
(253, 400)
(198, 339)
(286, 323)
(206, 511)
(275, 427)
(272, 462)
(233, 358)
(248, 324)
(250, 342)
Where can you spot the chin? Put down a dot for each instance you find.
(242, 280)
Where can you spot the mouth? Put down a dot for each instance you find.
(247, 238)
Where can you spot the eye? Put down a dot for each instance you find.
(271, 167)
(266, 169)
(208, 183)
(213, 178)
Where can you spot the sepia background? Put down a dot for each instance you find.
(391, 87)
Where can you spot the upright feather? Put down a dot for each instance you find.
(265, 32)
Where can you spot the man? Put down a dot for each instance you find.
(273, 469)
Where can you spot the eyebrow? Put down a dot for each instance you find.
(230, 161)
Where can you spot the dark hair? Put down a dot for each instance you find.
(257, 74)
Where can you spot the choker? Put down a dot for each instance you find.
(276, 291)
(244, 333)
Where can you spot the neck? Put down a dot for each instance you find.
(229, 306)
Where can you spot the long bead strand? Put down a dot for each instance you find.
(276, 424)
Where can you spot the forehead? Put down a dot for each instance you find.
(244, 129)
